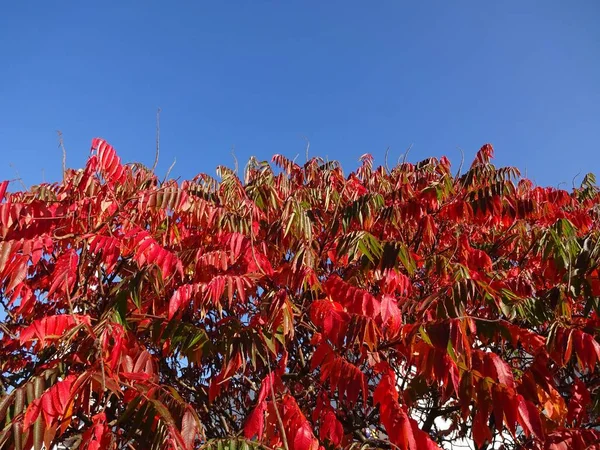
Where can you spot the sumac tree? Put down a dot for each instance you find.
(295, 307)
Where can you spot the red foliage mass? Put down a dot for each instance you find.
(300, 308)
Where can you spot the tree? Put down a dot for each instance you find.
(299, 308)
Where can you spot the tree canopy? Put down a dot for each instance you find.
(293, 306)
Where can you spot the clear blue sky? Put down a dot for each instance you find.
(354, 77)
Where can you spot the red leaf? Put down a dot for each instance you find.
(108, 161)
(355, 300)
(148, 251)
(51, 327)
(481, 432)
(331, 428)
(136, 376)
(109, 248)
(255, 423)
(55, 400)
(578, 402)
(498, 369)
(510, 407)
(403, 435)
(330, 317)
(98, 436)
(32, 413)
(304, 438)
(394, 281)
(3, 187)
(322, 352)
(390, 310)
(65, 273)
(529, 418)
(298, 429)
(484, 155)
(181, 298)
(189, 429)
(18, 272)
(423, 440)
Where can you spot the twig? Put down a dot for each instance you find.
(157, 140)
(462, 160)
(434, 413)
(19, 179)
(333, 218)
(170, 168)
(61, 144)
(262, 271)
(573, 182)
(387, 150)
(307, 146)
(7, 310)
(406, 153)
(99, 349)
(6, 331)
(235, 160)
(279, 421)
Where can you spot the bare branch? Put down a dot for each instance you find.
(19, 179)
(307, 146)
(61, 144)
(406, 153)
(387, 150)
(157, 140)
(279, 420)
(235, 161)
(462, 160)
(574, 178)
(170, 168)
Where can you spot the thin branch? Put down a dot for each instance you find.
(307, 147)
(387, 150)
(100, 356)
(61, 144)
(157, 140)
(406, 153)
(170, 168)
(436, 412)
(235, 160)
(462, 160)
(279, 420)
(19, 179)
(5, 330)
(574, 178)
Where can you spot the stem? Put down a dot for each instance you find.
(279, 420)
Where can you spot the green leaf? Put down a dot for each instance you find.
(131, 408)
(121, 308)
(406, 259)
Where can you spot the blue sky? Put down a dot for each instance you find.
(353, 77)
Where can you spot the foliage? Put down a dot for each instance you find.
(299, 308)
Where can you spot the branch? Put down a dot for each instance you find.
(307, 146)
(436, 412)
(235, 160)
(387, 150)
(279, 421)
(406, 153)
(19, 179)
(157, 139)
(169, 170)
(462, 160)
(61, 144)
